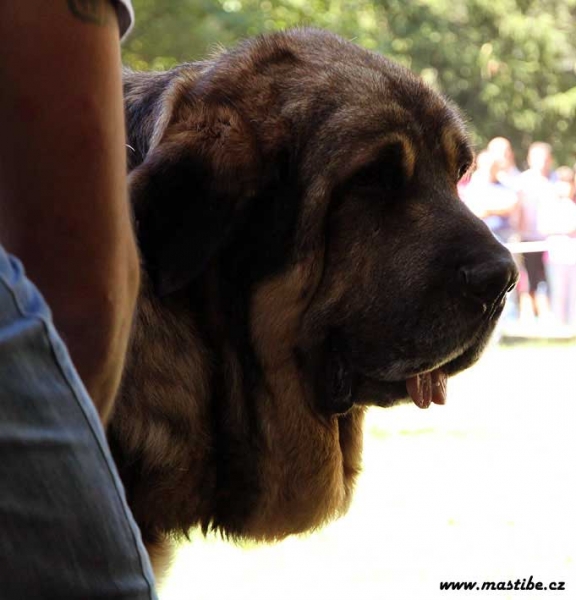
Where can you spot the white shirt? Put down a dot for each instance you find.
(125, 14)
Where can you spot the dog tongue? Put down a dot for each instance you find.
(425, 388)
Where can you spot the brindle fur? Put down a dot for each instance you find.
(296, 208)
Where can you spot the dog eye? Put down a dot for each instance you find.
(463, 170)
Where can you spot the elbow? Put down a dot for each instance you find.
(112, 331)
(98, 335)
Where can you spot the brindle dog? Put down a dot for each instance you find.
(305, 254)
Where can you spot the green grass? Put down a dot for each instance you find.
(483, 488)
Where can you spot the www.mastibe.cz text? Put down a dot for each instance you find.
(524, 585)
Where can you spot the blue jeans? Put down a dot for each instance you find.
(65, 528)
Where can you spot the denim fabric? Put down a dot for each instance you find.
(65, 528)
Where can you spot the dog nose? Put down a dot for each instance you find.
(489, 280)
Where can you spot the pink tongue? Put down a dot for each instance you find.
(427, 387)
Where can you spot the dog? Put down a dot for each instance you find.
(305, 255)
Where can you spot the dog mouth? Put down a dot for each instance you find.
(342, 382)
(341, 386)
(423, 388)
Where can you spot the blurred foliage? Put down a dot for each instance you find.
(509, 64)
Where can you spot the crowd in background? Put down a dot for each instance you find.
(536, 206)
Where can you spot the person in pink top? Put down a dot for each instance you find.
(501, 149)
(557, 221)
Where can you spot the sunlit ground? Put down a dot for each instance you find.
(481, 489)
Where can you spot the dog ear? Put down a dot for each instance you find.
(190, 190)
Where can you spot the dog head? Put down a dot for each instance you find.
(300, 193)
(301, 153)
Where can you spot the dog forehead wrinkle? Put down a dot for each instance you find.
(344, 144)
(330, 70)
(321, 60)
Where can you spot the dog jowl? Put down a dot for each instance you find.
(305, 254)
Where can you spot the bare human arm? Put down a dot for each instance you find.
(63, 198)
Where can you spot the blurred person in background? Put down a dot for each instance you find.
(557, 221)
(496, 204)
(566, 180)
(501, 149)
(535, 189)
(488, 198)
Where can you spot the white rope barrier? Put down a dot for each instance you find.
(526, 247)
